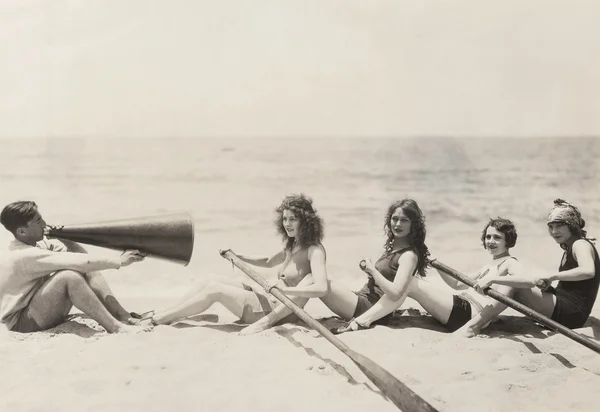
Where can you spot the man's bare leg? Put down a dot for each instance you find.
(51, 304)
(100, 287)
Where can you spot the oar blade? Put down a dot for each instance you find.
(390, 386)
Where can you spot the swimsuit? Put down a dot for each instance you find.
(25, 323)
(463, 305)
(259, 304)
(460, 315)
(370, 293)
(575, 299)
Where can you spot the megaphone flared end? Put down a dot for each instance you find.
(169, 237)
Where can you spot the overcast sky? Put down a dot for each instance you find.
(195, 68)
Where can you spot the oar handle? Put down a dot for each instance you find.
(519, 307)
(363, 264)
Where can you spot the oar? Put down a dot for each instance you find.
(519, 307)
(400, 394)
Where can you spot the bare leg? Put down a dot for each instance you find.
(280, 312)
(53, 301)
(436, 300)
(381, 308)
(340, 300)
(100, 287)
(490, 310)
(194, 291)
(232, 297)
(542, 302)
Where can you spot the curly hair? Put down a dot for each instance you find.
(310, 228)
(417, 233)
(504, 226)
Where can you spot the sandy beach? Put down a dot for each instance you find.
(202, 364)
(117, 110)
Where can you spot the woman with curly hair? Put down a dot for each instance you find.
(467, 312)
(302, 254)
(404, 257)
(571, 301)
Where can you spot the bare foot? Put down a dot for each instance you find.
(134, 328)
(131, 321)
(149, 322)
(256, 327)
(134, 318)
(157, 319)
(466, 332)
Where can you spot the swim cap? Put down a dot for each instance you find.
(565, 212)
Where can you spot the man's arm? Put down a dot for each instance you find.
(40, 262)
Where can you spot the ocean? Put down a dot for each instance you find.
(232, 186)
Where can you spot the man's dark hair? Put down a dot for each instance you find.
(17, 214)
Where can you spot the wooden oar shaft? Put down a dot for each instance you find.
(301, 313)
(398, 393)
(520, 307)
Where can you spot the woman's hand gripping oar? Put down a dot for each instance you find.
(397, 392)
(544, 320)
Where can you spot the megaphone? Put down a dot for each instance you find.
(168, 237)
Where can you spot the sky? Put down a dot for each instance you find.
(306, 68)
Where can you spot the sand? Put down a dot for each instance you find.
(202, 364)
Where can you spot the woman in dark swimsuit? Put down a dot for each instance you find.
(302, 274)
(467, 312)
(578, 276)
(405, 254)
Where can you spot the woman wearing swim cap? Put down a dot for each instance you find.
(578, 276)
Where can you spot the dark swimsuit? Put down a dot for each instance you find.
(370, 293)
(575, 299)
(460, 315)
(461, 309)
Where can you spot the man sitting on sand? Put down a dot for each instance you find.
(41, 280)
